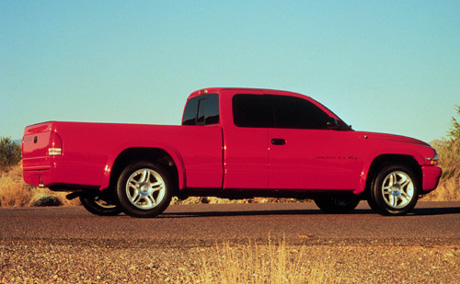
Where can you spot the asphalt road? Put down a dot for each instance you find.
(430, 223)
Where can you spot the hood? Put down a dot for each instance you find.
(393, 138)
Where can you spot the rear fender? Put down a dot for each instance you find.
(173, 153)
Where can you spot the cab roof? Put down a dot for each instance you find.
(218, 90)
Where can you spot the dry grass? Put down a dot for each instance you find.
(449, 160)
(448, 190)
(262, 263)
(14, 192)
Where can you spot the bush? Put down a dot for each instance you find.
(449, 160)
(454, 131)
(14, 192)
(43, 199)
(10, 153)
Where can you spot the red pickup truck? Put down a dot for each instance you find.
(233, 143)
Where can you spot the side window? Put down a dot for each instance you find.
(252, 111)
(202, 110)
(190, 112)
(212, 109)
(293, 112)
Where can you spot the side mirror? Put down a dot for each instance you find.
(332, 124)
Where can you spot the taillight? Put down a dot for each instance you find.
(54, 151)
(55, 148)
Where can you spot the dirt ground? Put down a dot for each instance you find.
(39, 261)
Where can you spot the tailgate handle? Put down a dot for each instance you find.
(278, 141)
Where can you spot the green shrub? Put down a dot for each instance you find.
(449, 160)
(10, 153)
(454, 131)
(43, 199)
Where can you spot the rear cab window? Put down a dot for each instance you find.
(202, 110)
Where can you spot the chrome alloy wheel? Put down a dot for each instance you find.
(398, 189)
(145, 189)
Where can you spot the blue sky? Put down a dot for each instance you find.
(386, 66)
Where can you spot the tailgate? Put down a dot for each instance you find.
(39, 144)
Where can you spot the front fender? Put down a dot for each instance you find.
(373, 164)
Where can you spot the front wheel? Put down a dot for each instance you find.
(144, 189)
(394, 190)
(337, 205)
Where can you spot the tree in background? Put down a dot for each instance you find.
(454, 132)
(449, 154)
(10, 153)
(449, 159)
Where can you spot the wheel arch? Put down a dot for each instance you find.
(381, 161)
(168, 159)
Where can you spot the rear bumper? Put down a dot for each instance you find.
(431, 176)
(60, 175)
(37, 177)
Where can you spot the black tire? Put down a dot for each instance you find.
(394, 190)
(99, 206)
(144, 189)
(337, 205)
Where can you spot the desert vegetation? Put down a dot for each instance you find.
(275, 262)
(449, 160)
(10, 153)
(14, 192)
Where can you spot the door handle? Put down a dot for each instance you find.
(278, 141)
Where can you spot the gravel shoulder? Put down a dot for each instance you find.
(41, 261)
(285, 243)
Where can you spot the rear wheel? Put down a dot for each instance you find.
(144, 189)
(394, 190)
(337, 205)
(99, 206)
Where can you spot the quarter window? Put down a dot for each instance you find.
(190, 112)
(202, 110)
(212, 109)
